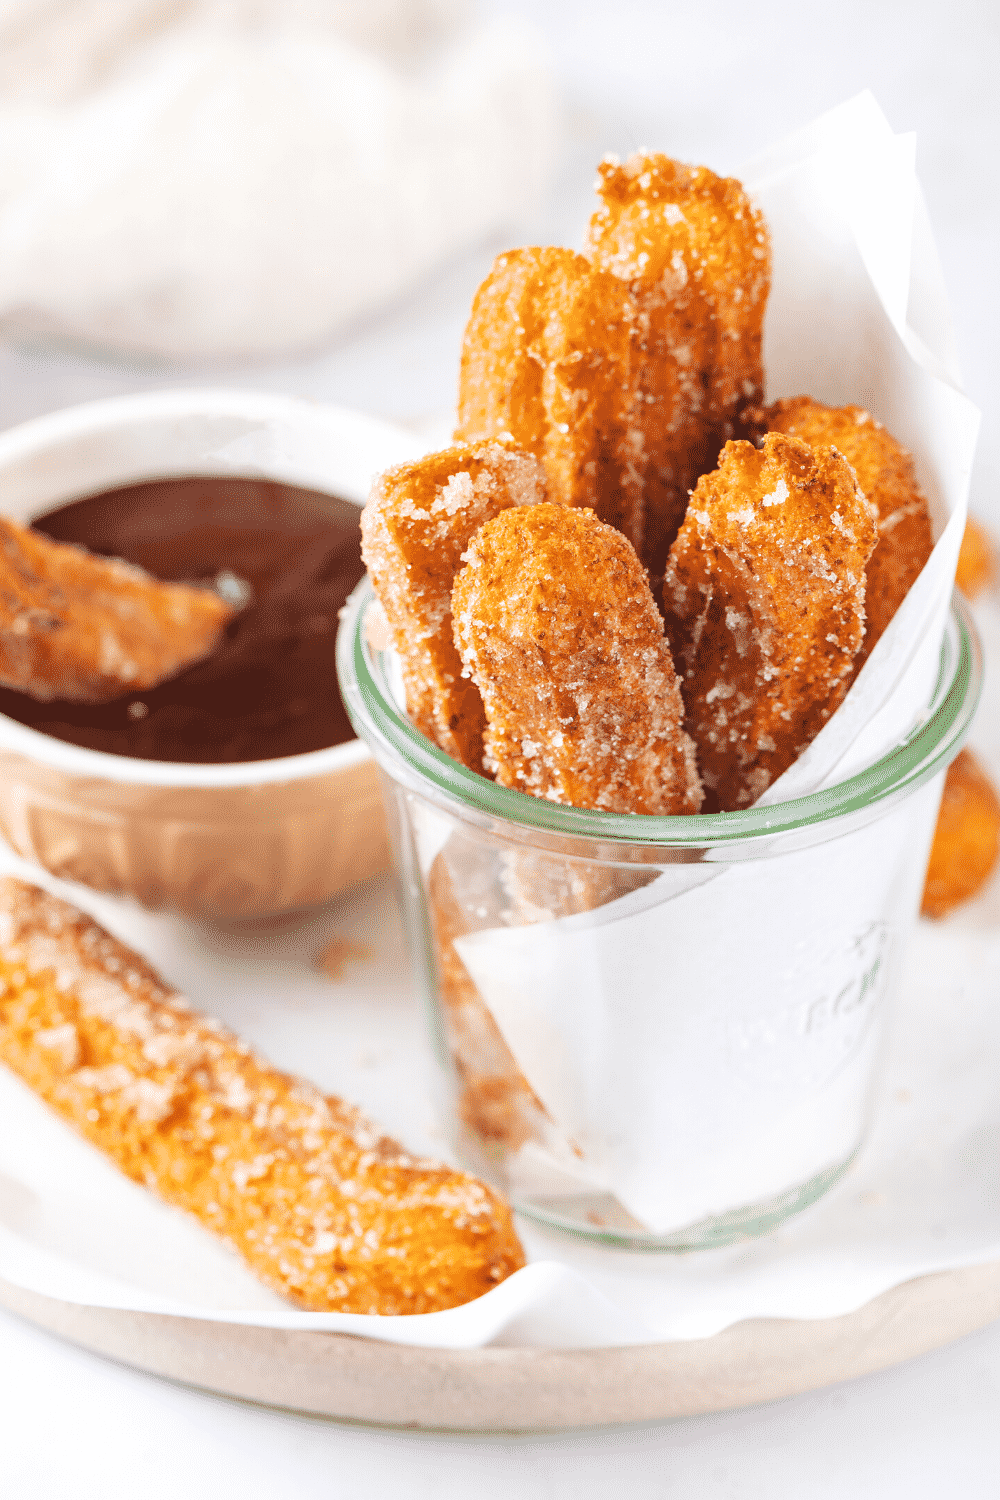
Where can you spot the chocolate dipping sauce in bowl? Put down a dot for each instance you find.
(235, 790)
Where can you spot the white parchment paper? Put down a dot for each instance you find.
(924, 1194)
(683, 1040)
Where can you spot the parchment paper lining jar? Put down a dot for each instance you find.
(661, 1033)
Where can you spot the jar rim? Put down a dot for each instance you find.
(395, 741)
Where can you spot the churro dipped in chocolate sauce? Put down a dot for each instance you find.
(87, 629)
(287, 558)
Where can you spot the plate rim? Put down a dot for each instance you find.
(349, 1378)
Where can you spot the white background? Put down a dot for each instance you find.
(713, 82)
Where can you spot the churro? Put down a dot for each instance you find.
(764, 595)
(696, 255)
(86, 628)
(496, 1101)
(326, 1210)
(965, 847)
(417, 523)
(556, 624)
(547, 357)
(976, 565)
(886, 474)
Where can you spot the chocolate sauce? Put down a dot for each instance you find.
(270, 689)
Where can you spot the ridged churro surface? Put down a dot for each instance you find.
(417, 523)
(696, 255)
(547, 357)
(886, 475)
(324, 1209)
(555, 621)
(764, 594)
(89, 628)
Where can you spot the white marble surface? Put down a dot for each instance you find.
(716, 83)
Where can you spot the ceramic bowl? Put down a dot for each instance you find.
(220, 841)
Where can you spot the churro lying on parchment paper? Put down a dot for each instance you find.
(88, 628)
(324, 1209)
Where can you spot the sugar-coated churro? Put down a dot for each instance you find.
(886, 475)
(496, 1101)
(966, 839)
(976, 564)
(414, 529)
(86, 628)
(555, 622)
(764, 594)
(696, 255)
(323, 1208)
(547, 357)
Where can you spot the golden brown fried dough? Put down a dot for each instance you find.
(496, 1102)
(887, 477)
(547, 358)
(696, 255)
(414, 529)
(323, 1208)
(975, 560)
(88, 628)
(764, 596)
(964, 851)
(556, 624)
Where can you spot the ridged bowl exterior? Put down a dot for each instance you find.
(221, 842)
(220, 852)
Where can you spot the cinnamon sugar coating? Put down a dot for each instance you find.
(966, 838)
(886, 474)
(976, 565)
(696, 255)
(555, 622)
(547, 357)
(324, 1209)
(88, 628)
(495, 1100)
(417, 523)
(764, 595)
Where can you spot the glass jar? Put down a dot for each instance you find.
(660, 1032)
